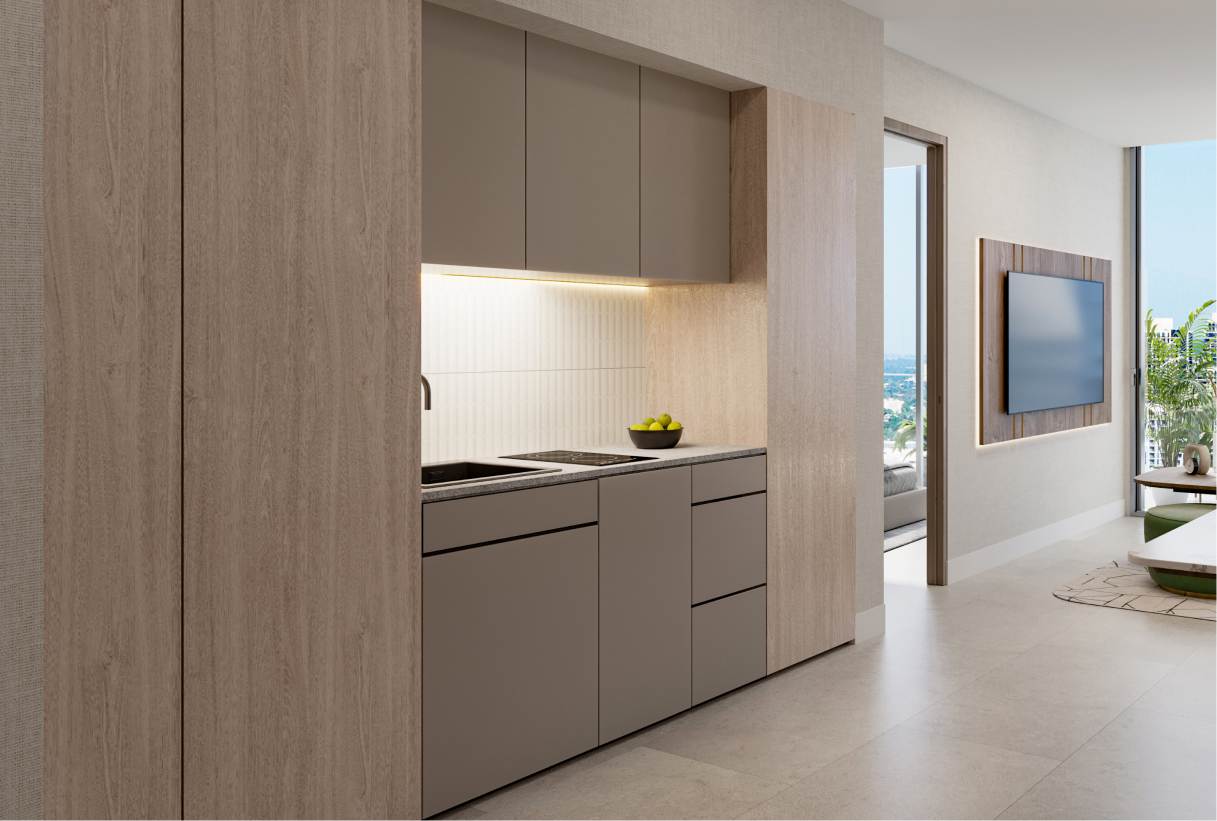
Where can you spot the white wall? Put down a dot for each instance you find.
(518, 366)
(1017, 175)
(823, 50)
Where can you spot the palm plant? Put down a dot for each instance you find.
(903, 438)
(1180, 402)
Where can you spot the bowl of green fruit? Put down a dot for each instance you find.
(656, 432)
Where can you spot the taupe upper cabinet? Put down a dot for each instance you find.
(685, 148)
(582, 177)
(541, 156)
(473, 140)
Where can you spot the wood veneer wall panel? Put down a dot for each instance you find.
(997, 259)
(302, 182)
(1100, 269)
(112, 518)
(811, 249)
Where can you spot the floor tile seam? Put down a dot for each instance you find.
(810, 774)
(1067, 759)
(1130, 656)
(715, 765)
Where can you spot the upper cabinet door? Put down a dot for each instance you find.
(582, 161)
(685, 179)
(473, 140)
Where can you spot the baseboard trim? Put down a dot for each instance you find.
(870, 623)
(995, 555)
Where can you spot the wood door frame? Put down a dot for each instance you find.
(936, 343)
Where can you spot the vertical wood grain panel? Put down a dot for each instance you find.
(21, 408)
(997, 259)
(811, 271)
(302, 196)
(113, 409)
(1100, 269)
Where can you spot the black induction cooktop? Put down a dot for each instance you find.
(579, 457)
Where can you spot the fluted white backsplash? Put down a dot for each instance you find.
(521, 365)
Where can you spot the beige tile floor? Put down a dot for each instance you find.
(985, 699)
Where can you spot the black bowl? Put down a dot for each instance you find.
(652, 439)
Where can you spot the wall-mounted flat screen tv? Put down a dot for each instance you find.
(1054, 342)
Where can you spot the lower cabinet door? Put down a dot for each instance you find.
(728, 643)
(509, 662)
(645, 567)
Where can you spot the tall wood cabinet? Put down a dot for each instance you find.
(301, 418)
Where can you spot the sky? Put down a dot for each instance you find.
(1179, 227)
(899, 273)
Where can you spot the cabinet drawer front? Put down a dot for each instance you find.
(509, 662)
(728, 546)
(730, 477)
(461, 522)
(728, 644)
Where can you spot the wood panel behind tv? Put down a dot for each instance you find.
(997, 259)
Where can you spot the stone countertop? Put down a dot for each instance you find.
(683, 454)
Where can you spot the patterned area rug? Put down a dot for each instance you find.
(1129, 587)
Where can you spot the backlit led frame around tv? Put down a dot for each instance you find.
(997, 260)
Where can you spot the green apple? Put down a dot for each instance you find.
(648, 420)
(655, 426)
(638, 427)
(664, 419)
(675, 426)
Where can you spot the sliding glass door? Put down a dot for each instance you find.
(1177, 282)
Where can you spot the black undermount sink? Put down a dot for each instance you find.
(453, 472)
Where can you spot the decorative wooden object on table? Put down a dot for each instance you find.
(997, 259)
(1174, 478)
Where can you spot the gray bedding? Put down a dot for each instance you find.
(898, 479)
